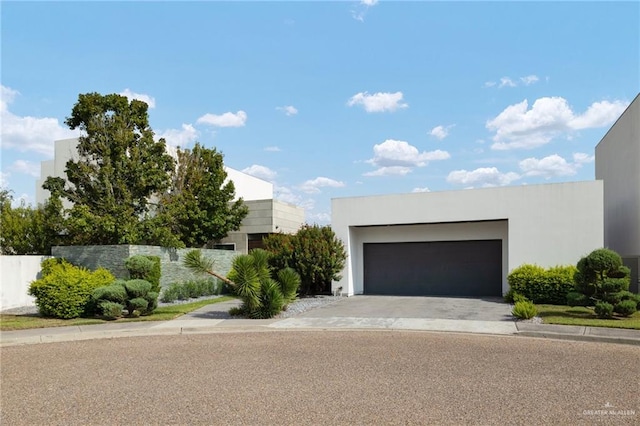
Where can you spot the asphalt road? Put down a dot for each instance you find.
(320, 378)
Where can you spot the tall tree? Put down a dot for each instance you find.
(119, 171)
(199, 208)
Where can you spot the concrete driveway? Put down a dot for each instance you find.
(489, 309)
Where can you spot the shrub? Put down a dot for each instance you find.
(111, 310)
(604, 310)
(542, 285)
(289, 283)
(191, 289)
(145, 268)
(601, 277)
(524, 309)
(314, 252)
(577, 299)
(65, 290)
(134, 295)
(625, 308)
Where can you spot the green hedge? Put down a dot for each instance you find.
(64, 291)
(543, 286)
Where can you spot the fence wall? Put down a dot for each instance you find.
(16, 274)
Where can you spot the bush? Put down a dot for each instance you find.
(524, 309)
(191, 289)
(601, 277)
(145, 268)
(625, 308)
(111, 310)
(134, 295)
(541, 285)
(577, 299)
(314, 252)
(65, 290)
(604, 310)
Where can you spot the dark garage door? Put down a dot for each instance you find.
(438, 268)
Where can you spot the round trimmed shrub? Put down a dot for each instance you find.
(577, 299)
(625, 308)
(111, 310)
(145, 268)
(604, 310)
(112, 293)
(137, 288)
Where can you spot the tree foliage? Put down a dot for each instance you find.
(124, 187)
(25, 229)
(314, 252)
(119, 170)
(199, 208)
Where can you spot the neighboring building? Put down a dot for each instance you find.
(463, 243)
(266, 215)
(618, 165)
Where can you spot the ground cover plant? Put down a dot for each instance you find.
(165, 313)
(584, 316)
(191, 289)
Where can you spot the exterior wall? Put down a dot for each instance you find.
(543, 224)
(113, 258)
(266, 217)
(249, 187)
(618, 165)
(17, 274)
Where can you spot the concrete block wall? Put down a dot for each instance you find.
(113, 258)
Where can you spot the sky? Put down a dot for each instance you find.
(332, 99)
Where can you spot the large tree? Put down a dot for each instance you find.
(199, 208)
(120, 169)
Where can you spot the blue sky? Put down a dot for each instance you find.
(333, 99)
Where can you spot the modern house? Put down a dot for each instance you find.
(266, 215)
(464, 243)
(618, 166)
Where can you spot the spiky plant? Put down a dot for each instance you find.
(197, 263)
(271, 300)
(247, 281)
(289, 284)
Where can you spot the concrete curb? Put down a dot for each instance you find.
(207, 326)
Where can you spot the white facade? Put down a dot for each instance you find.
(618, 165)
(548, 225)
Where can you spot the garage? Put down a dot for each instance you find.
(435, 268)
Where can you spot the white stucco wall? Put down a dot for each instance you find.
(618, 165)
(17, 273)
(249, 187)
(544, 224)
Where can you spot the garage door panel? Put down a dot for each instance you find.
(438, 268)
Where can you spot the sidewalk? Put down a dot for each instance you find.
(215, 319)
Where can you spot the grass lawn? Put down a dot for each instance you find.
(566, 315)
(164, 313)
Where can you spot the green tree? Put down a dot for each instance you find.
(314, 252)
(199, 208)
(25, 229)
(119, 171)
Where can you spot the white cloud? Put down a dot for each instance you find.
(319, 218)
(548, 167)
(272, 149)
(506, 82)
(180, 137)
(22, 200)
(289, 110)
(529, 80)
(489, 84)
(260, 172)
(440, 132)
(425, 189)
(150, 100)
(26, 167)
(360, 11)
(313, 186)
(484, 176)
(394, 157)
(389, 171)
(549, 117)
(378, 102)
(28, 134)
(228, 119)
(4, 180)
(582, 158)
